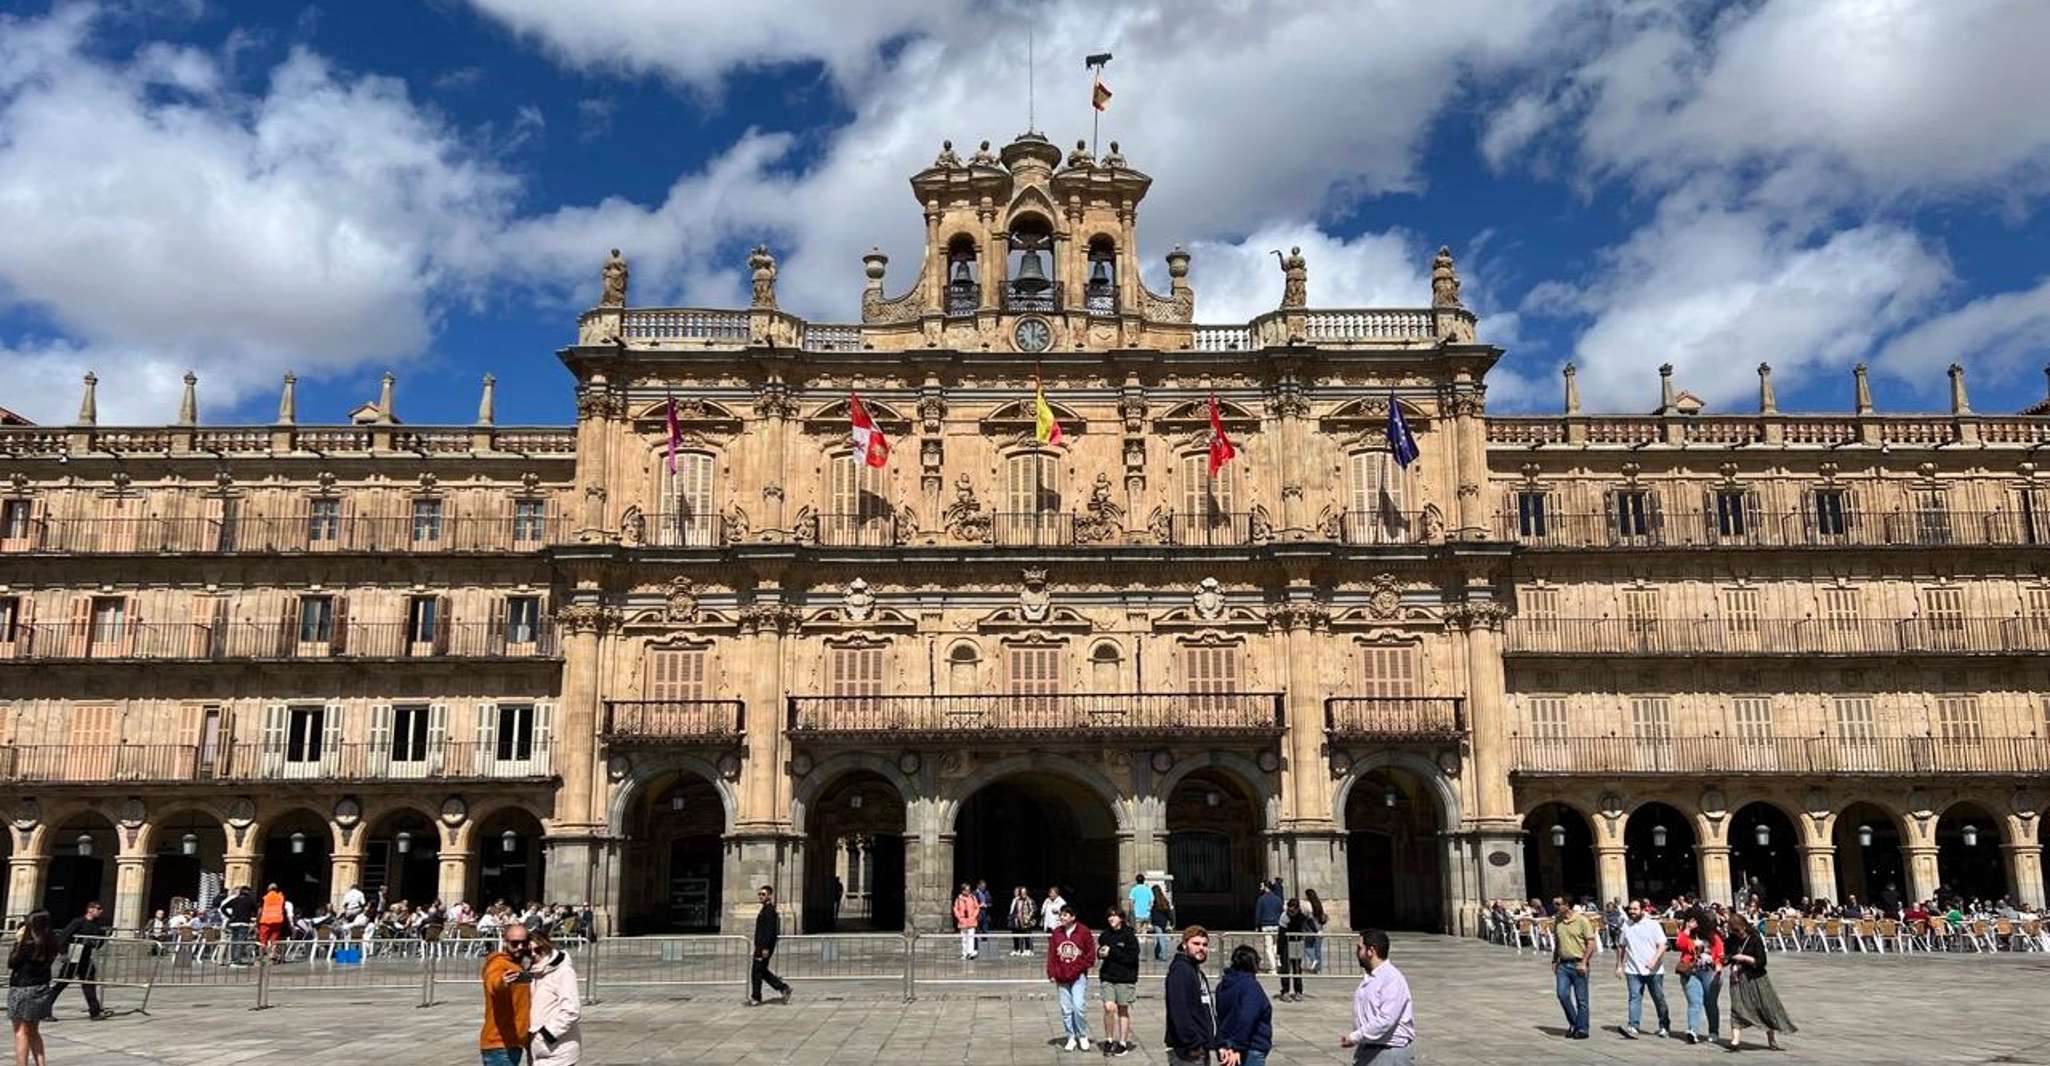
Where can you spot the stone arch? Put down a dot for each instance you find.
(1403, 867)
(647, 772)
(1039, 819)
(1216, 813)
(1868, 872)
(1559, 840)
(672, 821)
(146, 834)
(1096, 781)
(855, 818)
(1258, 783)
(516, 874)
(1427, 771)
(1970, 861)
(829, 771)
(1659, 859)
(171, 873)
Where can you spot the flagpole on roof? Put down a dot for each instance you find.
(1097, 95)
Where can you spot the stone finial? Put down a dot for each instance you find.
(88, 402)
(1572, 389)
(1959, 404)
(762, 267)
(288, 400)
(1768, 404)
(613, 275)
(487, 405)
(385, 403)
(873, 265)
(1666, 397)
(1178, 271)
(188, 404)
(1861, 396)
(1295, 279)
(1444, 279)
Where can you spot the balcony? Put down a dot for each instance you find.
(655, 723)
(1855, 529)
(1378, 527)
(863, 530)
(1036, 529)
(677, 531)
(91, 764)
(984, 717)
(1777, 636)
(1395, 717)
(1780, 755)
(294, 534)
(199, 642)
(1047, 299)
(1213, 529)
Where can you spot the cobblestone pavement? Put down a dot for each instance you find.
(1475, 1003)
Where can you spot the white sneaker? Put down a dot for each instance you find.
(1071, 1045)
(1663, 1033)
(1630, 1031)
(1085, 1043)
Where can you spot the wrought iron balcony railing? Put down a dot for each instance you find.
(657, 722)
(677, 531)
(302, 533)
(1039, 529)
(196, 641)
(1778, 636)
(870, 529)
(1209, 529)
(1781, 755)
(254, 761)
(1928, 528)
(1054, 714)
(1395, 717)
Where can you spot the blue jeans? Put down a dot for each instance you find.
(1703, 990)
(1163, 943)
(1313, 954)
(1252, 1058)
(1074, 998)
(1638, 984)
(1571, 985)
(501, 1056)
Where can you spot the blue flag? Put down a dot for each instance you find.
(1401, 442)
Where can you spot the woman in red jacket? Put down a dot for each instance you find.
(1701, 962)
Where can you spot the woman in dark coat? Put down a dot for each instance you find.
(1752, 1000)
(28, 986)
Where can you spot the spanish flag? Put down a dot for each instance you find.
(1045, 428)
(1100, 98)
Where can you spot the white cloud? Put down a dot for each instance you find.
(2003, 334)
(160, 222)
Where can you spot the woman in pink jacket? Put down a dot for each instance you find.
(967, 918)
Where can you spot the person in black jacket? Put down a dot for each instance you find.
(1289, 943)
(1118, 947)
(79, 937)
(766, 930)
(1191, 1012)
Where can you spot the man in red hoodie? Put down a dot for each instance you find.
(1070, 954)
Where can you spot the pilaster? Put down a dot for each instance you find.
(1818, 863)
(26, 877)
(2025, 873)
(1923, 876)
(583, 624)
(1713, 862)
(455, 874)
(1612, 872)
(131, 880)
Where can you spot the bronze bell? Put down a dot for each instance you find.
(963, 275)
(1099, 273)
(1031, 276)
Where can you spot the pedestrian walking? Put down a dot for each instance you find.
(1140, 897)
(1245, 1019)
(1700, 967)
(1384, 1018)
(1050, 909)
(1191, 1011)
(270, 922)
(1023, 912)
(1313, 952)
(967, 919)
(1290, 940)
(552, 1015)
(1573, 946)
(982, 907)
(28, 987)
(1640, 962)
(508, 998)
(79, 939)
(767, 929)
(1753, 1003)
(1267, 919)
(1163, 921)
(1118, 948)
(1070, 955)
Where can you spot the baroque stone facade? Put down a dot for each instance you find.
(1598, 654)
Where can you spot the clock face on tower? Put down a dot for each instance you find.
(1032, 335)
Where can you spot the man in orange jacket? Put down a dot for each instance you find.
(507, 996)
(270, 922)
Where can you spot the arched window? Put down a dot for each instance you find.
(964, 284)
(1100, 295)
(1374, 514)
(964, 669)
(1032, 500)
(1208, 513)
(689, 517)
(857, 511)
(1106, 668)
(1031, 284)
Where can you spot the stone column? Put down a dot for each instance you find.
(1496, 829)
(131, 881)
(455, 874)
(1612, 871)
(577, 827)
(1818, 861)
(2025, 873)
(238, 867)
(1470, 457)
(345, 868)
(1290, 408)
(1920, 859)
(26, 876)
(1713, 862)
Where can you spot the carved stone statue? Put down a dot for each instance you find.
(807, 529)
(983, 157)
(1431, 525)
(1260, 525)
(733, 523)
(614, 274)
(963, 518)
(1115, 159)
(1081, 156)
(764, 267)
(1295, 279)
(1104, 519)
(947, 158)
(1444, 280)
(633, 527)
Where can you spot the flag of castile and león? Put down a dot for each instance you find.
(869, 442)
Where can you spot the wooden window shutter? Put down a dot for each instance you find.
(442, 623)
(379, 756)
(338, 641)
(437, 737)
(331, 737)
(485, 738)
(495, 636)
(80, 636)
(288, 627)
(543, 734)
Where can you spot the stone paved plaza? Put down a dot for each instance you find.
(1476, 1003)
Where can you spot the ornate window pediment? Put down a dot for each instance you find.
(1013, 619)
(841, 618)
(1019, 419)
(1193, 417)
(1370, 413)
(706, 419)
(832, 418)
(1230, 619)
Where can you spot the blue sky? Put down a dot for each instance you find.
(340, 189)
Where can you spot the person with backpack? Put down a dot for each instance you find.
(79, 938)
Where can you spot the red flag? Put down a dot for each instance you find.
(1221, 450)
(675, 434)
(868, 440)
(1099, 98)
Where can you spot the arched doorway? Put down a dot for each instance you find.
(402, 855)
(1659, 854)
(673, 863)
(296, 858)
(509, 865)
(1558, 854)
(1765, 856)
(183, 846)
(1039, 829)
(81, 856)
(1969, 861)
(854, 856)
(1393, 853)
(1214, 850)
(1868, 857)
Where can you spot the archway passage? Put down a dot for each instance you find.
(854, 856)
(80, 864)
(1394, 854)
(1868, 857)
(1765, 856)
(1558, 854)
(183, 846)
(1659, 843)
(509, 865)
(1039, 830)
(297, 858)
(402, 856)
(1213, 850)
(673, 863)
(1969, 861)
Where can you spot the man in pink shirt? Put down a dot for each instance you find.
(1384, 1025)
